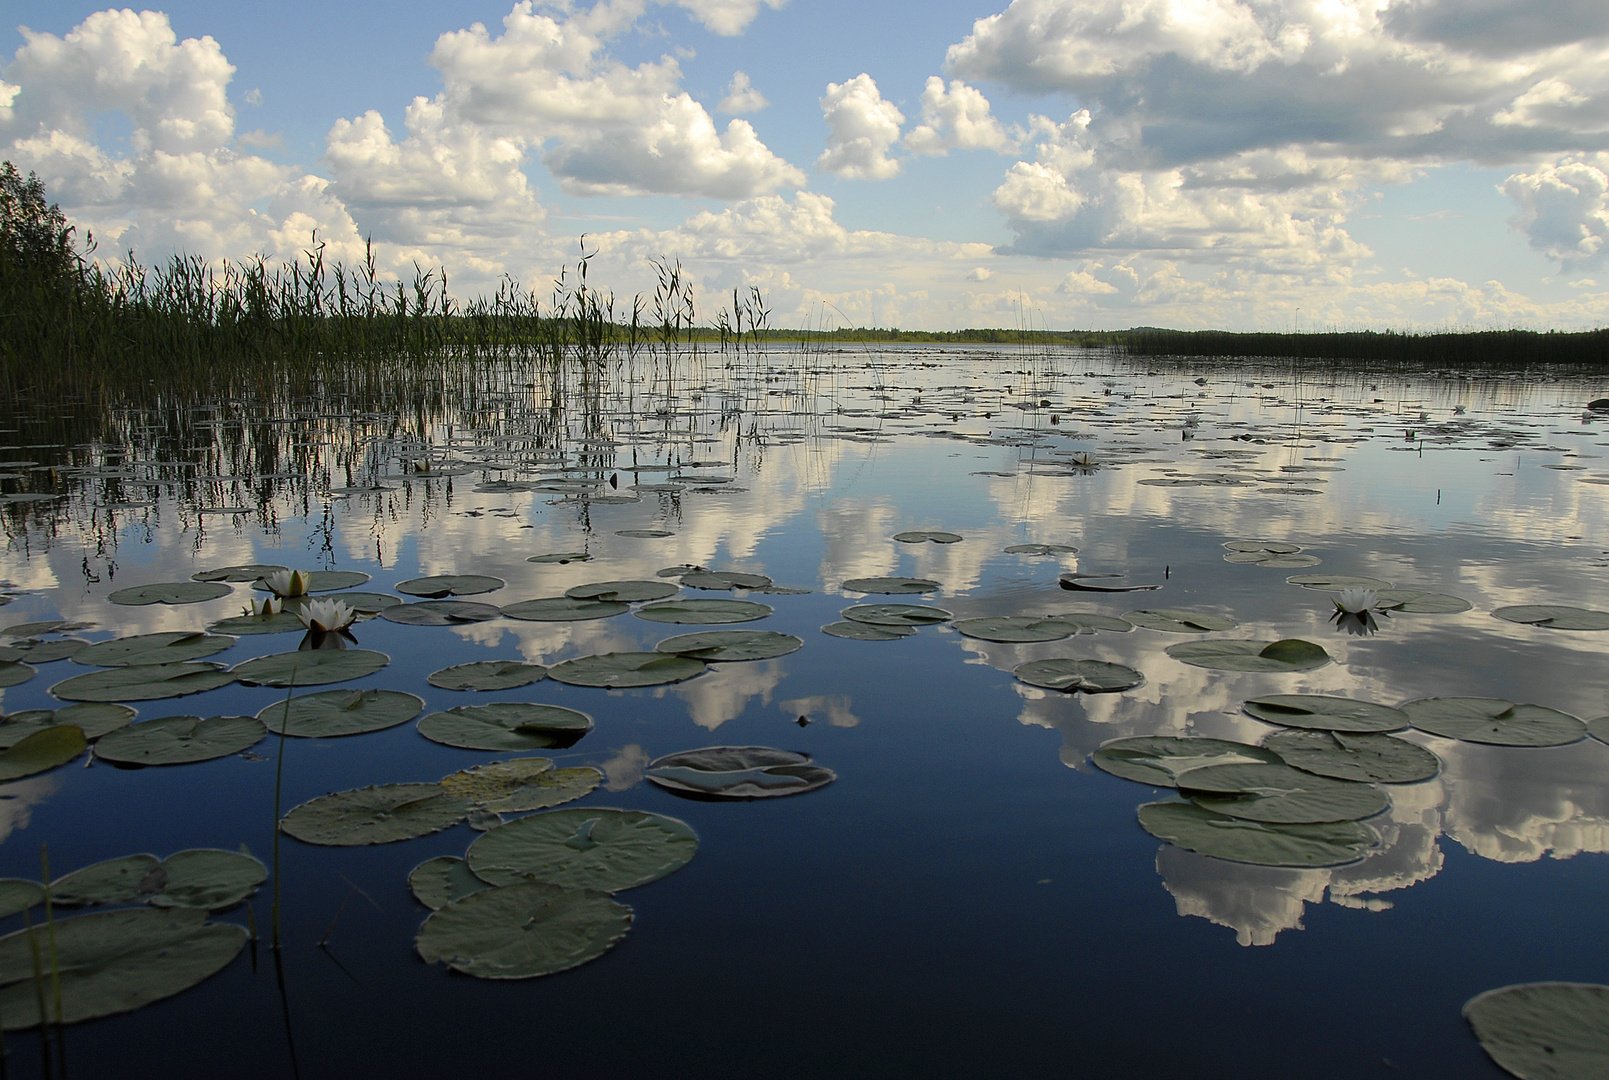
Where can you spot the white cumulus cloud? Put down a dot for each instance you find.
(1564, 208)
(863, 128)
(741, 97)
(956, 117)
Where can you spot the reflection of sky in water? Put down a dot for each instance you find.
(868, 445)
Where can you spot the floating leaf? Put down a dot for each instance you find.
(1041, 549)
(1336, 582)
(922, 536)
(715, 646)
(1280, 794)
(560, 557)
(324, 580)
(1598, 728)
(143, 682)
(1412, 602)
(488, 675)
(41, 751)
(1180, 621)
(310, 667)
(437, 882)
(375, 815)
(1262, 547)
(1554, 616)
(239, 574)
(1287, 655)
(114, 881)
(507, 725)
(856, 631)
(724, 579)
(703, 611)
(170, 592)
(14, 674)
(1087, 622)
(180, 740)
(1159, 760)
(738, 772)
(143, 649)
(523, 930)
(645, 534)
(1369, 758)
(618, 670)
(281, 622)
(364, 603)
(564, 609)
(891, 586)
(35, 651)
(333, 713)
(896, 614)
(440, 586)
(622, 592)
(514, 787)
(1494, 721)
(18, 895)
(1014, 628)
(1546, 1030)
(1259, 843)
(1319, 713)
(206, 879)
(584, 848)
(1084, 583)
(1089, 676)
(441, 613)
(93, 719)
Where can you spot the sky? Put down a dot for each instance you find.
(1069, 164)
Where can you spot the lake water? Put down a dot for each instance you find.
(970, 896)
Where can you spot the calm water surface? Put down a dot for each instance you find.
(971, 896)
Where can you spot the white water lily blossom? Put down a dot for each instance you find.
(326, 615)
(288, 583)
(266, 607)
(1355, 600)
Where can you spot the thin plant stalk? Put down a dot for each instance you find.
(55, 965)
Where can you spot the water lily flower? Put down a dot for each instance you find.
(288, 583)
(1355, 600)
(325, 616)
(268, 607)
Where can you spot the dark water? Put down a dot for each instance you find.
(971, 896)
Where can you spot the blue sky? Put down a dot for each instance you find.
(1253, 164)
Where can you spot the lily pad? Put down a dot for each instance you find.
(180, 740)
(42, 751)
(1041, 549)
(922, 536)
(1494, 721)
(520, 785)
(1280, 794)
(1159, 760)
(375, 815)
(1319, 713)
(1262, 547)
(141, 649)
(437, 882)
(645, 534)
(523, 930)
(1554, 616)
(564, 609)
(488, 675)
(584, 848)
(37, 651)
(896, 614)
(143, 682)
(239, 574)
(206, 879)
(441, 586)
(715, 646)
(310, 667)
(281, 622)
(441, 613)
(18, 895)
(1180, 621)
(333, 713)
(93, 719)
(1089, 676)
(324, 581)
(703, 612)
(1287, 655)
(1087, 622)
(1259, 843)
(364, 603)
(13, 673)
(724, 579)
(113, 881)
(855, 631)
(507, 725)
(1336, 582)
(170, 592)
(1412, 602)
(1598, 728)
(1098, 583)
(891, 586)
(1272, 560)
(1369, 758)
(622, 592)
(562, 558)
(618, 670)
(1014, 628)
(1544, 1031)
(738, 772)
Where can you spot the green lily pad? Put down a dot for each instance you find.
(1088, 622)
(375, 815)
(922, 536)
(143, 682)
(725, 579)
(13, 673)
(1041, 549)
(645, 534)
(441, 613)
(891, 586)
(1554, 616)
(333, 713)
(562, 558)
(364, 603)
(1412, 602)
(441, 586)
(324, 581)
(618, 670)
(145, 649)
(896, 614)
(738, 772)
(715, 646)
(1369, 758)
(1262, 547)
(1014, 628)
(584, 847)
(114, 881)
(1095, 583)
(1598, 728)
(437, 882)
(180, 740)
(622, 592)
(1280, 794)
(1259, 843)
(856, 631)
(1088, 676)
(1159, 760)
(1544, 1031)
(488, 675)
(281, 622)
(1272, 560)
(1318, 713)
(564, 609)
(1179, 621)
(37, 651)
(239, 574)
(170, 592)
(507, 725)
(520, 785)
(1287, 655)
(311, 667)
(18, 895)
(93, 719)
(703, 612)
(200, 878)
(1336, 582)
(43, 626)
(523, 930)
(1494, 721)
(114, 961)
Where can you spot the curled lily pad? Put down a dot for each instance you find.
(238, 574)
(37, 651)
(18, 895)
(896, 614)
(1369, 758)
(168, 648)
(1494, 721)
(703, 611)
(520, 785)
(856, 631)
(375, 815)
(170, 592)
(523, 930)
(1014, 628)
(488, 675)
(1041, 549)
(441, 613)
(1088, 676)
(724, 579)
(1546, 1030)
(1319, 713)
(1554, 616)
(1289, 654)
(1280, 794)
(714, 646)
(1099, 583)
(441, 586)
(891, 586)
(143, 682)
(180, 740)
(622, 592)
(13, 673)
(564, 609)
(42, 751)
(333, 713)
(562, 558)
(1159, 760)
(94, 719)
(1179, 621)
(738, 772)
(324, 580)
(584, 848)
(310, 667)
(507, 725)
(437, 882)
(1336, 582)
(922, 536)
(1259, 843)
(114, 961)
(618, 670)
(1412, 602)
